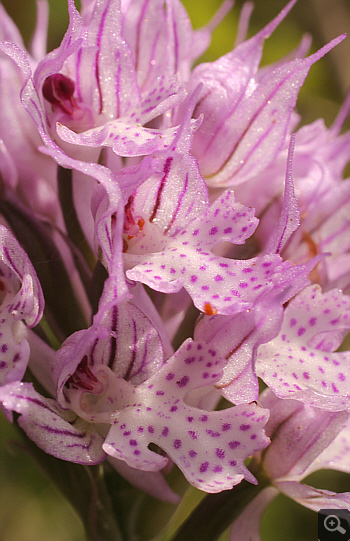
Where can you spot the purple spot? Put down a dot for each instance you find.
(312, 321)
(204, 418)
(190, 360)
(183, 381)
(306, 375)
(195, 232)
(213, 231)
(190, 419)
(140, 429)
(225, 426)
(334, 388)
(169, 376)
(224, 265)
(133, 443)
(220, 453)
(234, 444)
(341, 377)
(4, 348)
(194, 278)
(213, 434)
(150, 429)
(204, 467)
(253, 437)
(233, 463)
(127, 433)
(217, 469)
(228, 230)
(293, 322)
(3, 364)
(218, 278)
(160, 393)
(177, 444)
(243, 285)
(165, 431)
(205, 375)
(137, 452)
(301, 331)
(173, 408)
(193, 434)
(244, 427)
(192, 453)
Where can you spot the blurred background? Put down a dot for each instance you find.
(31, 508)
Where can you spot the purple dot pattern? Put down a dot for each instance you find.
(301, 362)
(209, 447)
(57, 432)
(228, 285)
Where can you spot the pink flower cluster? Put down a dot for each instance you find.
(152, 205)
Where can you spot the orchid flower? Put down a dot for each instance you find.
(246, 114)
(308, 439)
(167, 294)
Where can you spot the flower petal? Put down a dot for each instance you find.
(209, 447)
(55, 431)
(299, 362)
(314, 498)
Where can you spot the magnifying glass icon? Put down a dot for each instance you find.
(332, 524)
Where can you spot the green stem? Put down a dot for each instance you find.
(74, 230)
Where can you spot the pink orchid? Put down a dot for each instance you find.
(246, 113)
(308, 439)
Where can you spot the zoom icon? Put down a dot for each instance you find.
(334, 525)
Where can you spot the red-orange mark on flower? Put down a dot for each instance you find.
(209, 310)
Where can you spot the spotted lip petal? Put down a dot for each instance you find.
(209, 447)
(57, 432)
(187, 261)
(300, 362)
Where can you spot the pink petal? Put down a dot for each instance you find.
(314, 498)
(299, 363)
(299, 434)
(55, 431)
(209, 447)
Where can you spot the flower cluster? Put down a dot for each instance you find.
(152, 205)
